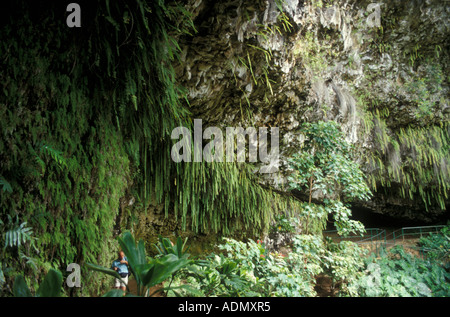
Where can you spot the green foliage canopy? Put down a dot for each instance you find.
(325, 165)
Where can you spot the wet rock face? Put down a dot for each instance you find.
(279, 64)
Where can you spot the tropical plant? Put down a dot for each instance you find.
(241, 270)
(165, 247)
(324, 166)
(148, 272)
(340, 262)
(344, 266)
(218, 275)
(50, 286)
(436, 246)
(179, 249)
(248, 269)
(398, 273)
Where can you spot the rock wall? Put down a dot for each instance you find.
(374, 67)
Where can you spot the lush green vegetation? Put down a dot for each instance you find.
(248, 269)
(50, 287)
(398, 273)
(86, 119)
(86, 123)
(325, 166)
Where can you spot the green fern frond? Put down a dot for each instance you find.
(6, 186)
(54, 154)
(17, 236)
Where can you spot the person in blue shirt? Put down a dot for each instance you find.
(121, 266)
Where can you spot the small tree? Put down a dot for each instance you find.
(325, 167)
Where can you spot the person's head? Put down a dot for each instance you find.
(121, 255)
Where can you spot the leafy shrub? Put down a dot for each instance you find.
(248, 269)
(341, 262)
(165, 247)
(281, 232)
(398, 273)
(437, 246)
(244, 269)
(284, 225)
(325, 167)
(218, 275)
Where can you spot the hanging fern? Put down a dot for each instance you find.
(52, 153)
(414, 158)
(97, 117)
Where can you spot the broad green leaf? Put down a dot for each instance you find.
(103, 269)
(20, 288)
(51, 286)
(163, 268)
(136, 254)
(6, 186)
